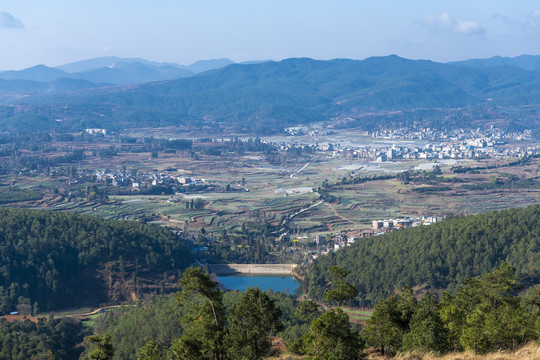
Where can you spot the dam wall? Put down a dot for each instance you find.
(252, 269)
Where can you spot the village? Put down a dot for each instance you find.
(452, 144)
(321, 244)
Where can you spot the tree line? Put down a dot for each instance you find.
(204, 322)
(438, 256)
(485, 315)
(46, 339)
(9, 195)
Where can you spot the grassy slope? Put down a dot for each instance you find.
(528, 352)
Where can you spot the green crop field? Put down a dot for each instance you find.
(355, 206)
(280, 190)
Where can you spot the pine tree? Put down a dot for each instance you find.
(427, 332)
(330, 337)
(102, 348)
(205, 321)
(252, 320)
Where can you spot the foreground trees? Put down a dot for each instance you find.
(485, 315)
(426, 329)
(250, 323)
(204, 323)
(341, 289)
(253, 318)
(385, 327)
(242, 331)
(330, 338)
(102, 348)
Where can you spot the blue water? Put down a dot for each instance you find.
(286, 284)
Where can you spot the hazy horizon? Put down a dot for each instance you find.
(245, 61)
(183, 32)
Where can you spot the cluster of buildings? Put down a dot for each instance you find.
(137, 180)
(465, 149)
(300, 131)
(383, 226)
(189, 181)
(96, 131)
(326, 244)
(447, 144)
(493, 133)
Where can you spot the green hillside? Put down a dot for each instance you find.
(441, 255)
(68, 260)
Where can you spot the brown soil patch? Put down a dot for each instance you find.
(21, 318)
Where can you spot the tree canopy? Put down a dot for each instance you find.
(46, 339)
(486, 314)
(251, 321)
(438, 256)
(56, 259)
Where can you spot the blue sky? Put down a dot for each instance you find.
(55, 32)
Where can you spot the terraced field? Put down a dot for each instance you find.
(272, 192)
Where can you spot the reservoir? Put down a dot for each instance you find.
(282, 283)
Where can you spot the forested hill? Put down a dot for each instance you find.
(527, 62)
(66, 260)
(441, 255)
(271, 95)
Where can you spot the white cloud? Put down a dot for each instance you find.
(447, 25)
(9, 21)
(468, 27)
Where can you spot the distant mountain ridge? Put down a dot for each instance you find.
(106, 61)
(60, 85)
(302, 90)
(111, 61)
(35, 73)
(267, 96)
(113, 70)
(527, 62)
(107, 71)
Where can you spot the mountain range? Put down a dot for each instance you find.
(100, 72)
(112, 70)
(266, 96)
(527, 62)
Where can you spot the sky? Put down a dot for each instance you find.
(56, 32)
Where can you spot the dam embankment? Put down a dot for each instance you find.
(252, 269)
